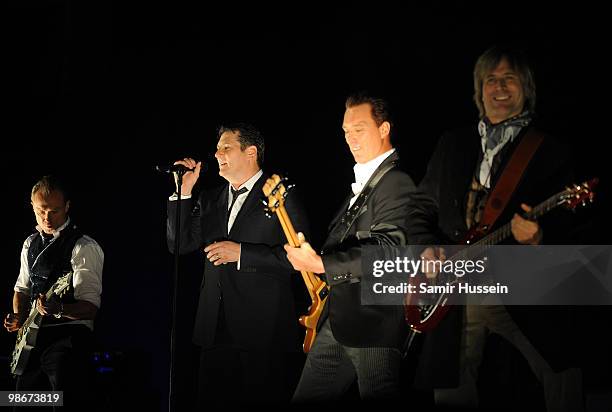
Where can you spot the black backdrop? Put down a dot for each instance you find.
(103, 91)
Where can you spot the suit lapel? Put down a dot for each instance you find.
(222, 209)
(341, 211)
(464, 169)
(339, 222)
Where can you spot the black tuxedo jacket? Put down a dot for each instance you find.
(390, 205)
(257, 299)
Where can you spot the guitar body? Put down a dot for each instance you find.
(28, 333)
(423, 318)
(26, 340)
(311, 319)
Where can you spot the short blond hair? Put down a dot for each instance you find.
(48, 184)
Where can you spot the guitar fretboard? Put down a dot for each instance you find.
(478, 248)
(34, 315)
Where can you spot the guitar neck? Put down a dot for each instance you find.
(505, 231)
(310, 279)
(33, 316)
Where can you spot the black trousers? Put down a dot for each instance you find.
(331, 368)
(234, 375)
(60, 361)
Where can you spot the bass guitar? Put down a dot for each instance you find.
(276, 193)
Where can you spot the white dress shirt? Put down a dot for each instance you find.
(240, 201)
(363, 172)
(87, 261)
(238, 204)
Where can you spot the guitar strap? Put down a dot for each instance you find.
(508, 182)
(353, 211)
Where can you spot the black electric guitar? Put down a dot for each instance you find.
(424, 317)
(275, 192)
(26, 336)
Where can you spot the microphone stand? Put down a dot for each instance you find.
(177, 249)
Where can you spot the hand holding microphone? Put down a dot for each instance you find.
(190, 177)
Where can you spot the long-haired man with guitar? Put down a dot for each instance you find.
(59, 286)
(355, 341)
(496, 169)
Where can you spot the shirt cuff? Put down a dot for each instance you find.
(239, 255)
(174, 197)
(22, 289)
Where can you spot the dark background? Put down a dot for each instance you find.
(103, 91)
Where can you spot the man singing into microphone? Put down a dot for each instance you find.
(245, 320)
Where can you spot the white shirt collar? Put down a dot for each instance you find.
(57, 231)
(249, 183)
(363, 171)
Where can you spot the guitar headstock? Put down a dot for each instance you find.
(578, 195)
(62, 285)
(276, 190)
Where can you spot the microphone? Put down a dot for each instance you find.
(179, 168)
(173, 168)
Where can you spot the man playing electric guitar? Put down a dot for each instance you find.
(463, 173)
(59, 358)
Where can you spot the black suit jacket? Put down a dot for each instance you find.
(390, 205)
(447, 180)
(257, 299)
